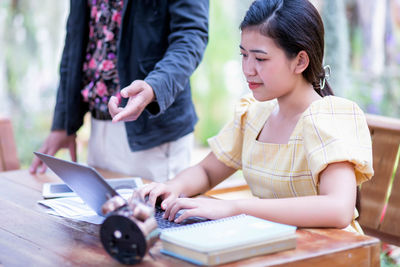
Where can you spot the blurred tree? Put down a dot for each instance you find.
(218, 81)
(336, 44)
(372, 16)
(372, 19)
(30, 50)
(391, 77)
(376, 79)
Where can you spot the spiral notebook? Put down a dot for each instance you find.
(225, 240)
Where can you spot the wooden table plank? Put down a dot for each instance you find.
(17, 251)
(73, 244)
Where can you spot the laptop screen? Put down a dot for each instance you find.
(84, 180)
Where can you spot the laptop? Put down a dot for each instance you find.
(87, 183)
(84, 180)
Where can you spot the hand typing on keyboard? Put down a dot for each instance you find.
(158, 195)
(199, 207)
(165, 223)
(163, 193)
(171, 200)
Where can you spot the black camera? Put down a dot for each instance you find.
(129, 230)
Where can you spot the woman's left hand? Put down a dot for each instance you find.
(200, 207)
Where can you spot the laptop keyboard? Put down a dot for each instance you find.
(164, 223)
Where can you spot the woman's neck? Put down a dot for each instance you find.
(297, 101)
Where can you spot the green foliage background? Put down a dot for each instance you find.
(32, 35)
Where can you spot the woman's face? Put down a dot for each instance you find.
(269, 73)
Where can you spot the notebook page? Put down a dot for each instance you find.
(226, 233)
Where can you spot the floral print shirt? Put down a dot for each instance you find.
(100, 75)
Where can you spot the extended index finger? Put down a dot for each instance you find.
(131, 111)
(113, 106)
(133, 89)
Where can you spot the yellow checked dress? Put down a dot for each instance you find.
(330, 130)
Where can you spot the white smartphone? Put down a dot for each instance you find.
(53, 190)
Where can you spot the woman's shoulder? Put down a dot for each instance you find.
(335, 130)
(335, 114)
(335, 104)
(250, 106)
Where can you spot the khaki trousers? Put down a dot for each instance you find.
(108, 149)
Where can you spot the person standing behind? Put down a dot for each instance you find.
(149, 48)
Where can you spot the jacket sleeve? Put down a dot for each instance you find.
(60, 107)
(69, 108)
(186, 44)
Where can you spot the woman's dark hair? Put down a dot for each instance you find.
(295, 25)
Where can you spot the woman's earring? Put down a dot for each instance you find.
(327, 71)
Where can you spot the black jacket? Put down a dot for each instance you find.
(162, 42)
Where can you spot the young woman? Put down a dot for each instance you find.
(302, 150)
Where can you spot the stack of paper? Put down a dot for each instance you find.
(75, 208)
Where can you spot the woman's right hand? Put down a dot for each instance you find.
(166, 192)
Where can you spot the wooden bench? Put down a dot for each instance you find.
(8, 150)
(380, 197)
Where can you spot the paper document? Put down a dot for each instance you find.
(75, 208)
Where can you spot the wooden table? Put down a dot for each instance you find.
(30, 237)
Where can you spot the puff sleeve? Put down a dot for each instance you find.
(227, 144)
(335, 130)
